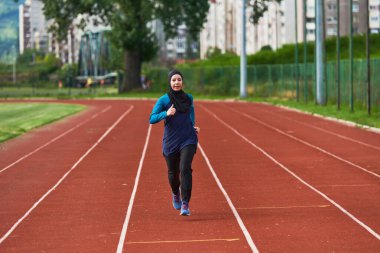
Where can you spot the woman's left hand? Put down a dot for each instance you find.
(197, 129)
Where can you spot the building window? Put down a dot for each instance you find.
(331, 20)
(331, 6)
(331, 31)
(355, 7)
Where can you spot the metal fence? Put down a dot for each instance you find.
(262, 81)
(280, 81)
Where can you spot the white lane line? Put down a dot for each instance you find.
(324, 130)
(234, 211)
(282, 207)
(64, 176)
(370, 230)
(347, 185)
(55, 139)
(309, 144)
(187, 241)
(132, 199)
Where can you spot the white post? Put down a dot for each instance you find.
(243, 56)
(14, 64)
(321, 100)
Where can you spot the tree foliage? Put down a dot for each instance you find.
(130, 22)
(259, 7)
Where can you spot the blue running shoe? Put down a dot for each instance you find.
(185, 211)
(176, 201)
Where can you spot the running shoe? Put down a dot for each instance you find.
(176, 201)
(185, 211)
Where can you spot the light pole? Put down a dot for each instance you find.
(305, 51)
(338, 52)
(14, 63)
(243, 56)
(368, 60)
(320, 54)
(296, 49)
(351, 67)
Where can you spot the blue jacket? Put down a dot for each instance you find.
(178, 129)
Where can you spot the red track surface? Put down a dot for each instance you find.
(287, 182)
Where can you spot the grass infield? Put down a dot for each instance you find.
(18, 118)
(359, 116)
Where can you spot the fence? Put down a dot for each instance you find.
(262, 81)
(280, 81)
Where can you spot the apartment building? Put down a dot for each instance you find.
(33, 33)
(223, 28)
(359, 12)
(24, 28)
(278, 25)
(374, 16)
(219, 29)
(32, 26)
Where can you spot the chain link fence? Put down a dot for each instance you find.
(262, 81)
(279, 81)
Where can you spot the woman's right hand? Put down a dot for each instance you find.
(171, 111)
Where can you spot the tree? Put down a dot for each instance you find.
(259, 7)
(129, 21)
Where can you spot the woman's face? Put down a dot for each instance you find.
(176, 82)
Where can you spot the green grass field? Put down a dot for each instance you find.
(359, 116)
(18, 118)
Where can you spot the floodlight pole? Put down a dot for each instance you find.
(305, 85)
(338, 53)
(243, 56)
(296, 50)
(14, 63)
(368, 60)
(320, 54)
(351, 57)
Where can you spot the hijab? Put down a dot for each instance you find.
(179, 99)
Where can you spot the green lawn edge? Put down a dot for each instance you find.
(18, 118)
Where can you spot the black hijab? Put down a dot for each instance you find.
(179, 99)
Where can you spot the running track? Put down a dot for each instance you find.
(265, 179)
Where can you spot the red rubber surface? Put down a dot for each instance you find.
(274, 164)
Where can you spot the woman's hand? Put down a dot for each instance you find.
(197, 129)
(171, 111)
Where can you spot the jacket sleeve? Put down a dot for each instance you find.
(158, 112)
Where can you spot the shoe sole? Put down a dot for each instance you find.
(184, 214)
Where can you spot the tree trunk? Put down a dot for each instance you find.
(132, 70)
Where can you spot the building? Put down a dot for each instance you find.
(374, 16)
(278, 25)
(24, 28)
(359, 12)
(32, 26)
(223, 28)
(174, 49)
(33, 32)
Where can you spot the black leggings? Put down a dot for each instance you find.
(180, 171)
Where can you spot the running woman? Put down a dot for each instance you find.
(180, 138)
